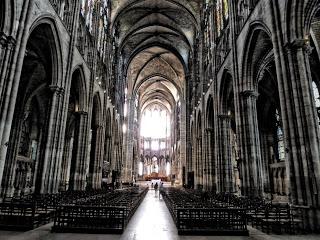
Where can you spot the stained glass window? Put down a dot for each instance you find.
(221, 15)
(83, 7)
(280, 142)
(316, 96)
(89, 14)
(155, 117)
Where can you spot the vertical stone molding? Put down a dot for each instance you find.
(78, 180)
(302, 128)
(250, 151)
(225, 167)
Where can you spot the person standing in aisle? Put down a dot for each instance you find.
(156, 188)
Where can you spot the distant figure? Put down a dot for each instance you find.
(160, 189)
(151, 185)
(156, 188)
(205, 196)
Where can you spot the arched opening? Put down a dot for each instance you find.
(251, 173)
(210, 165)
(72, 141)
(2, 14)
(271, 135)
(191, 162)
(107, 160)
(314, 60)
(199, 170)
(95, 168)
(267, 132)
(155, 141)
(228, 149)
(24, 167)
(155, 71)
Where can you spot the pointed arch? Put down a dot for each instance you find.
(258, 44)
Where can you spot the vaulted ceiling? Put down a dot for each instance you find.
(155, 39)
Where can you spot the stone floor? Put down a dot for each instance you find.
(152, 221)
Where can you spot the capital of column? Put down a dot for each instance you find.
(7, 41)
(3, 39)
(11, 42)
(224, 116)
(209, 130)
(108, 136)
(61, 91)
(54, 88)
(249, 93)
(82, 113)
(303, 44)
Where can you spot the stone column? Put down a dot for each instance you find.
(266, 142)
(209, 155)
(7, 44)
(205, 150)
(225, 166)
(212, 185)
(251, 168)
(183, 140)
(97, 169)
(66, 162)
(12, 79)
(300, 125)
(128, 143)
(194, 155)
(78, 178)
(52, 157)
(198, 174)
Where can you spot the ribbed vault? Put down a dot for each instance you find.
(155, 40)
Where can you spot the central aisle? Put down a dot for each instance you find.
(152, 221)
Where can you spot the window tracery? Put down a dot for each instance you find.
(279, 136)
(221, 15)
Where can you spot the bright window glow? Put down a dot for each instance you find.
(316, 94)
(155, 165)
(162, 145)
(146, 145)
(155, 145)
(125, 109)
(168, 169)
(124, 128)
(140, 168)
(281, 153)
(155, 123)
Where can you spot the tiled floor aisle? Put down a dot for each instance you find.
(152, 221)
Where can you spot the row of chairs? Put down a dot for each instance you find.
(199, 213)
(31, 211)
(260, 213)
(108, 212)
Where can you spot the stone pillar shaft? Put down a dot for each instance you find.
(301, 128)
(78, 180)
(13, 74)
(250, 154)
(225, 167)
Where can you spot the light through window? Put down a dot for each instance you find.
(155, 123)
(155, 145)
(316, 96)
(280, 141)
(140, 168)
(168, 169)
